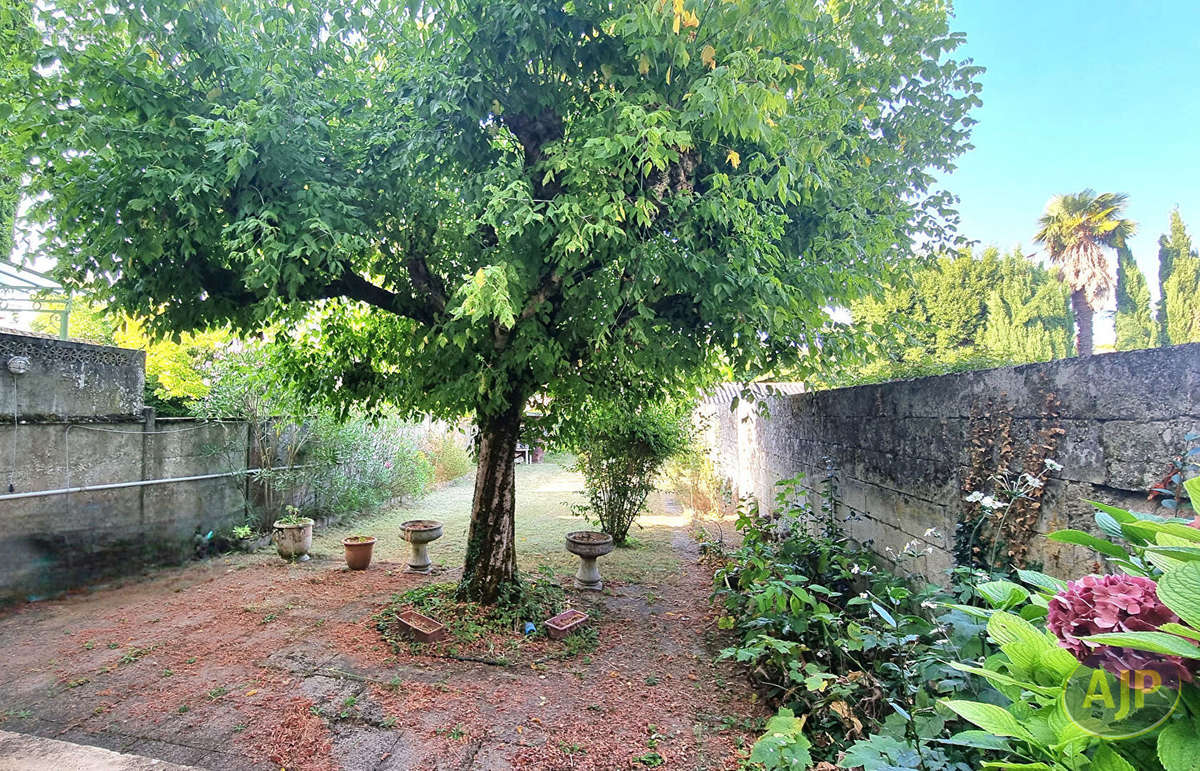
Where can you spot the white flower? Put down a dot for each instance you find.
(1053, 465)
(989, 502)
(854, 569)
(1032, 481)
(974, 497)
(933, 533)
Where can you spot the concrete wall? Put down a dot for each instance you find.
(50, 543)
(75, 419)
(902, 452)
(70, 380)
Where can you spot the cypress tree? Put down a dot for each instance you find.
(1135, 326)
(1181, 298)
(1028, 314)
(1170, 248)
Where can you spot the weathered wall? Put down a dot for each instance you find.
(52, 542)
(903, 451)
(75, 419)
(70, 380)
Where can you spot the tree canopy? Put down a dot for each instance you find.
(453, 206)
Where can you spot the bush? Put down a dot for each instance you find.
(449, 458)
(360, 464)
(829, 632)
(620, 452)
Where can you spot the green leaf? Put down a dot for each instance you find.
(1179, 590)
(1155, 642)
(997, 677)
(1002, 594)
(1042, 581)
(1193, 490)
(1087, 539)
(783, 744)
(1107, 759)
(995, 720)
(980, 739)
(1179, 746)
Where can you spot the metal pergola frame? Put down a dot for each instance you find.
(25, 290)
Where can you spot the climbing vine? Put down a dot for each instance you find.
(1002, 491)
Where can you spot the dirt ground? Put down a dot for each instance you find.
(248, 662)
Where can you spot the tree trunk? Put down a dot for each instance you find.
(491, 562)
(1083, 324)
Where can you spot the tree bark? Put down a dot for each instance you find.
(490, 570)
(1083, 323)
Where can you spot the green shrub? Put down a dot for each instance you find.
(620, 452)
(450, 460)
(828, 632)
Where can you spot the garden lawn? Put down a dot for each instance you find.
(247, 662)
(546, 493)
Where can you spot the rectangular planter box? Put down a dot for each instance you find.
(421, 628)
(565, 623)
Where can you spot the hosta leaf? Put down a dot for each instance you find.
(1155, 642)
(1179, 590)
(1090, 541)
(1002, 594)
(996, 720)
(1042, 581)
(997, 677)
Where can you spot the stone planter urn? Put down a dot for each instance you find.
(293, 537)
(588, 545)
(419, 532)
(358, 551)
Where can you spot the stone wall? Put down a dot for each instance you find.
(70, 380)
(902, 453)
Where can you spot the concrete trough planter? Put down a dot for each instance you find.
(565, 623)
(421, 628)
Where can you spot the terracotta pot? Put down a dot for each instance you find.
(293, 540)
(358, 552)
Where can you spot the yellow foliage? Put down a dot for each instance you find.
(734, 158)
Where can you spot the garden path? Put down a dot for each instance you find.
(246, 662)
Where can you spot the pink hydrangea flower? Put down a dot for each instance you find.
(1116, 603)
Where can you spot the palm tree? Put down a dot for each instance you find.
(1075, 230)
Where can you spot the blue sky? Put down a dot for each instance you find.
(1081, 93)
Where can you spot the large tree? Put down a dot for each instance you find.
(1135, 325)
(17, 40)
(456, 206)
(1171, 246)
(1076, 229)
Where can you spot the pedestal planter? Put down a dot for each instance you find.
(420, 627)
(588, 545)
(419, 532)
(293, 539)
(358, 551)
(565, 623)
